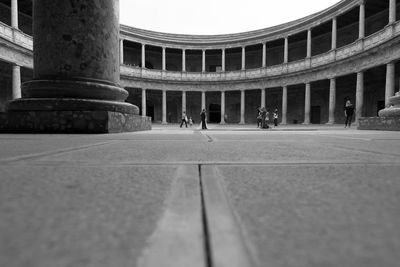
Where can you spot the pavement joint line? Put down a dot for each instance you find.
(194, 163)
(178, 238)
(366, 151)
(229, 248)
(206, 231)
(53, 152)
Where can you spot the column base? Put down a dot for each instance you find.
(86, 122)
(379, 123)
(52, 115)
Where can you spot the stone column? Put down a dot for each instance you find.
(14, 14)
(223, 60)
(242, 106)
(392, 11)
(390, 82)
(359, 95)
(264, 55)
(334, 33)
(203, 61)
(361, 31)
(164, 62)
(203, 100)
(73, 70)
(222, 107)
(144, 104)
(243, 58)
(183, 101)
(309, 43)
(263, 97)
(284, 105)
(332, 100)
(307, 104)
(183, 60)
(164, 107)
(286, 51)
(121, 51)
(143, 56)
(16, 82)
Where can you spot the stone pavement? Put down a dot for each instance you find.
(229, 196)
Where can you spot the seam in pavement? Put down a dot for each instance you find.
(366, 151)
(206, 232)
(214, 163)
(54, 152)
(229, 246)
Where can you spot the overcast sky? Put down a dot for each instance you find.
(215, 16)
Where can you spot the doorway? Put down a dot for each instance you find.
(315, 115)
(214, 113)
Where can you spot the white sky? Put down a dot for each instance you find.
(215, 16)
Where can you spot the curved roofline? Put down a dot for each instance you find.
(281, 29)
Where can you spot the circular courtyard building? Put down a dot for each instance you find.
(306, 69)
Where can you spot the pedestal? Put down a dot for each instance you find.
(389, 118)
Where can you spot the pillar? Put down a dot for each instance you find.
(309, 42)
(14, 14)
(392, 11)
(144, 104)
(121, 51)
(16, 82)
(286, 51)
(222, 107)
(183, 101)
(332, 100)
(75, 74)
(243, 58)
(164, 62)
(223, 60)
(203, 57)
(183, 60)
(73, 70)
(359, 95)
(203, 100)
(284, 105)
(264, 55)
(334, 33)
(164, 107)
(263, 98)
(361, 31)
(307, 104)
(242, 106)
(390, 82)
(143, 56)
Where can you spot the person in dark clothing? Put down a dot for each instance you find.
(348, 113)
(184, 119)
(203, 119)
(259, 117)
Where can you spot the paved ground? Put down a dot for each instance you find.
(229, 196)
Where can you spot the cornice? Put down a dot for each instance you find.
(261, 35)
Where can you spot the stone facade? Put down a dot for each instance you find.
(72, 122)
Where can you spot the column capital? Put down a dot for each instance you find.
(361, 2)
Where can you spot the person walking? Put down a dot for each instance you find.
(275, 117)
(203, 117)
(348, 113)
(259, 117)
(184, 119)
(263, 118)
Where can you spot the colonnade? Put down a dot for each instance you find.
(359, 101)
(361, 35)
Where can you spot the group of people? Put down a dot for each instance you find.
(263, 117)
(185, 120)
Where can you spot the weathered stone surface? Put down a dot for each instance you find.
(72, 122)
(379, 123)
